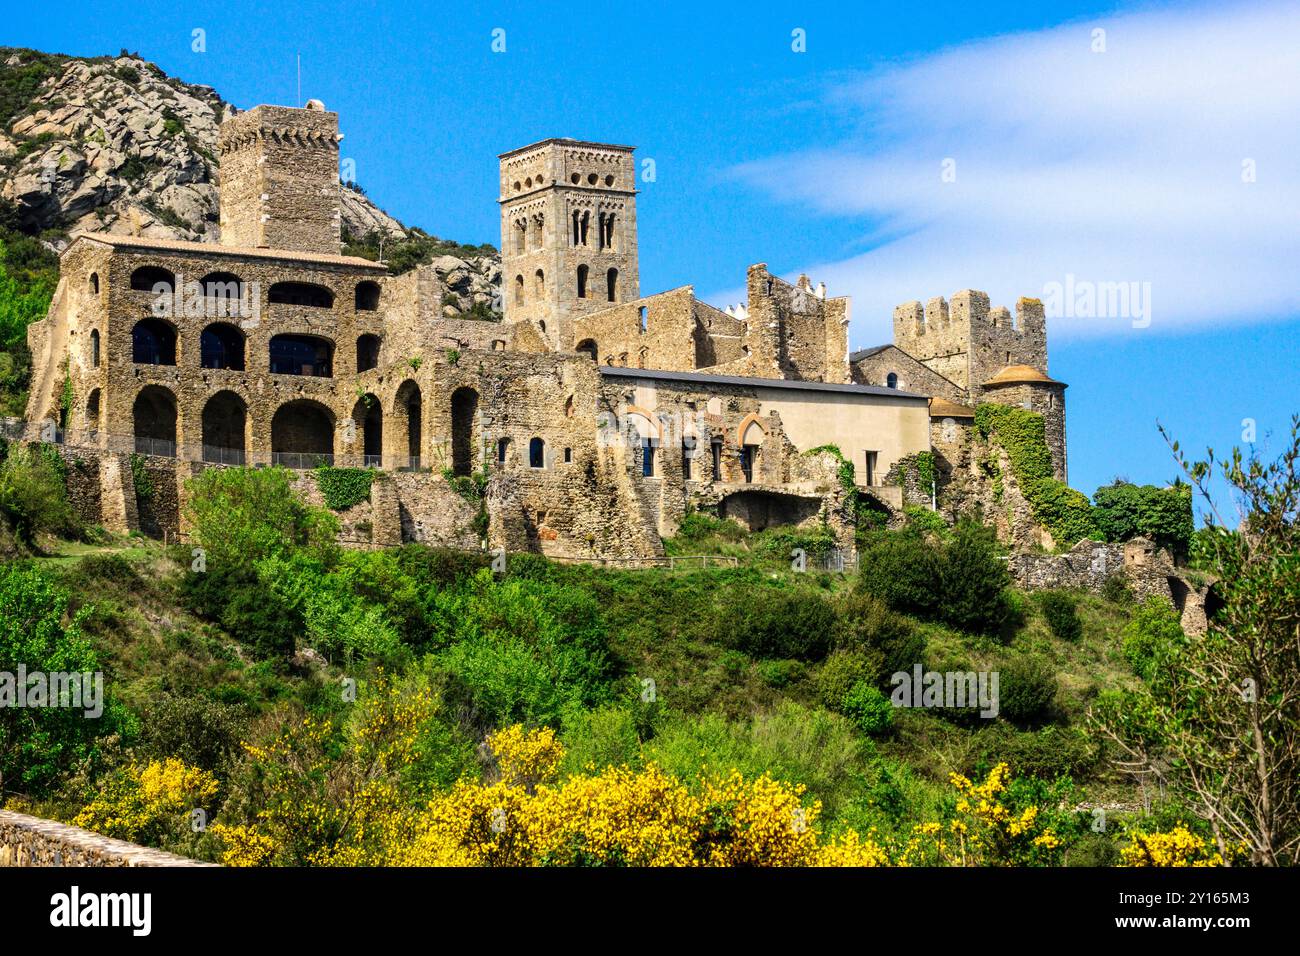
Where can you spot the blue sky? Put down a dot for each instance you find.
(909, 151)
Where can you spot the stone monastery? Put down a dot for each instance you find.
(594, 416)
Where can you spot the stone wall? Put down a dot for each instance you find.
(31, 841)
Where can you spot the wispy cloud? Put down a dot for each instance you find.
(1119, 166)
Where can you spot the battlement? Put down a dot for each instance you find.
(967, 341)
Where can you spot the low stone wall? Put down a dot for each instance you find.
(31, 841)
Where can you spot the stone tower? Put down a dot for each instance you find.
(568, 233)
(280, 179)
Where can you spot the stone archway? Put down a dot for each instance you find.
(302, 434)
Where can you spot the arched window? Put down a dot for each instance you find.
(588, 347)
(582, 282)
(891, 380)
(521, 236)
(368, 417)
(536, 453)
(642, 317)
(367, 296)
(302, 435)
(410, 406)
(647, 457)
(225, 418)
(301, 293)
(92, 411)
(154, 419)
(94, 283)
(464, 415)
(222, 346)
(94, 348)
(367, 352)
(498, 345)
(539, 284)
(149, 278)
(302, 355)
(611, 284)
(503, 446)
(153, 342)
(519, 290)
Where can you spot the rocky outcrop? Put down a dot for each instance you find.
(114, 144)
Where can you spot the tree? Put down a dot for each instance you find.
(1221, 724)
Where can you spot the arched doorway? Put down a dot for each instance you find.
(302, 435)
(410, 409)
(154, 419)
(464, 412)
(225, 419)
(369, 417)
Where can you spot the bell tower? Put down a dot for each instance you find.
(568, 234)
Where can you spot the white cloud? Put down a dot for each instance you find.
(1112, 167)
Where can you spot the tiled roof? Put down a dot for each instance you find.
(215, 249)
(942, 408)
(1015, 374)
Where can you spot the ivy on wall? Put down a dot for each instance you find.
(140, 479)
(344, 487)
(1064, 512)
(473, 488)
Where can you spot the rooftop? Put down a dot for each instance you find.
(1017, 374)
(751, 381)
(564, 141)
(215, 249)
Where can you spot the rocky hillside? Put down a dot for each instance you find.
(114, 144)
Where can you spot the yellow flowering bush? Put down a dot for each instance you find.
(1176, 847)
(324, 801)
(984, 830)
(149, 803)
(526, 758)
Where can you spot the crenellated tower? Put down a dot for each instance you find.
(568, 233)
(280, 179)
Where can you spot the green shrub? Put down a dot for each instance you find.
(198, 730)
(246, 609)
(1124, 510)
(38, 744)
(1026, 689)
(241, 515)
(869, 708)
(1115, 589)
(864, 624)
(764, 622)
(1061, 611)
(841, 672)
(974, 584)
(33, 496)
(780, 673)
(1151, 639)
(902, 569)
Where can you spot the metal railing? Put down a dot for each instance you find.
(216, 455)
(158, 447)
(303, 460)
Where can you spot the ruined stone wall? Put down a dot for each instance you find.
(31, 841)
(665, 341)
(720, 338)
(280, 179)
(795, 332)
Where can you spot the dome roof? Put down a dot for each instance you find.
(942, 408)
(1018, 374)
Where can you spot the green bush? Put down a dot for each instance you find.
(1026, 689)
(841, 672)
(1124, 510)
(1151, 639)
(902, 569)
(246, 609)
(1115, 589)
(974, 584)
(242, 515)
(869, 708)
(38, 744)
(196, 729)
(864, 624)
(33, 496)
(765, 622)
(1061, 611)
(780, 673)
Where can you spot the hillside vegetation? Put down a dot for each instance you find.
(411, 706)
